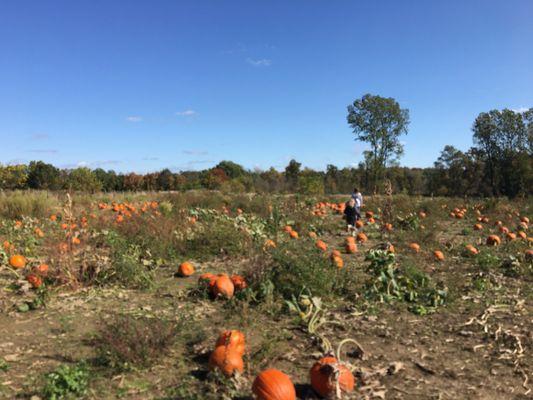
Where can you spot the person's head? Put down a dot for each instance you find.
(355, 190)
(351, 203)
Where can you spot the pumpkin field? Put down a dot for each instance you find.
(204, 295)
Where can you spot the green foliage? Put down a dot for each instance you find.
(390, 282)
(84, 180)
(67, 382)
(19, 204)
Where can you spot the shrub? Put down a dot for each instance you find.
(126, 341)
(67, 382)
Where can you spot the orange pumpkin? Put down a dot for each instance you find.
(387, 227)
(238, 282)
(369, 214)
(359, 224)
(223, 287)
(233, 339)
(478, 227)
(186, 269)
(42, 269)
(529, 254)
(17, 261)
(287, 228)
(338, 261)
(525, 219)
(493, 240)
(439, 255)
(7, 246)
(415, 247)
(312, 235)
(272, 384)
(422, 214)
(207, 279)
(269, 244)
(351, 248)
(53, 217)
(361, 237)
(327, 374)
(510, 236)
(34, 280)
(471, 249)
(227, 360)
(293, 234)
(522, 234)
(321, 245)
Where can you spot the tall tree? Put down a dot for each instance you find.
(379, 121)
(292, 171)
(43, 176)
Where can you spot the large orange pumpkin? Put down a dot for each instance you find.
(272, 384)
(321, 245)
(223, 287)
(227, 360)
(361, 237)
(17, 261)
(351, 248)
(338, 261)
(327, 373)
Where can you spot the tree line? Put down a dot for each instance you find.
(499, 164)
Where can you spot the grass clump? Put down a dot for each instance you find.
(128, 342)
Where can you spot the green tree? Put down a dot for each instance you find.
(13, 177)
(83, 179)
(379, 121)
(165, 180)
(292, 171)
(232, 170)
(43, 176)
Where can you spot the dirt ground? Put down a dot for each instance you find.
(476, 347)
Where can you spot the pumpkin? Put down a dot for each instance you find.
(223, 287)
(478, 227)
(369, 214)
(207, 279)
(272, 384)
(238, 282)
(287, 228)
(186, 269)
(269, 244)
(361, 237)
(338, 261)
(76, 240)
(6, 245)
(471, 249)
(335, 253)
(312, 235)
(53, 217)
(17, 261)
(370, 221)
(525, 220)
(234, 339)
(293, 234)
(522, 234)
(351, 248)
(227, 360)
(415, 247)
(498, 223)
(327, 374)
(34, 280)
(387, 227)
(439, 255)
(321, 245)
(510, 236)
(529, 254)
(422, 214)
(359, 224)
(493, 240)
(485, 220)
(42, 269)
(503, 229)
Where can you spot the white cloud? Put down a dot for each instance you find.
(134, 118)
(195, 152)
(264, 62)
(187, 113)
(520, 110)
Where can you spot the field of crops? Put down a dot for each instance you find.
(202, 295)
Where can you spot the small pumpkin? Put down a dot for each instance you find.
(234, 339)
(415, 247)
(338, 261)
(359, 224)
(17, 261)
(471, 249)
(321, 245)
(351, 248)
(510, 236)
(186, 269)
(42, 269)
(34, 280)
(227, 360)
(269, 244)
(493, 240)
(239, 282)
(422, 214)
(293, 234)
(478, 227)
(273, 384)
(312, 235)
(361, 237)
(439, 255)
(327, 374)
(369, 214)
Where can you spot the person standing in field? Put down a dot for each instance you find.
(350, 214)
(358, 198)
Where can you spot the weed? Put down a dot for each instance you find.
(67, 382)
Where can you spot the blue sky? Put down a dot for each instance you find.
(143, 85)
